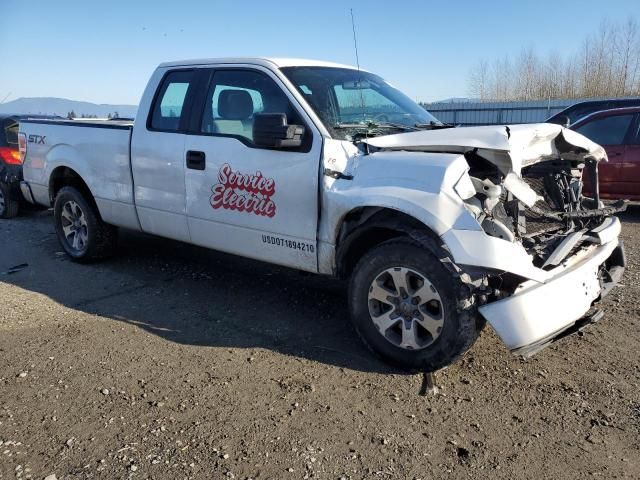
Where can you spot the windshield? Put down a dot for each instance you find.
(350, 102)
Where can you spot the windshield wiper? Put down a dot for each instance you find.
(339, 126)
(399, 126)
(373, 126)
(376, 126)
(433, 126)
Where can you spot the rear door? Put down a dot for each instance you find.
(247, 200)
(157, 154)
(611, 132)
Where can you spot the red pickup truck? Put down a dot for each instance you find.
(618, 131)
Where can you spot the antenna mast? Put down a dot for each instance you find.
(355, 40)
(355, 45)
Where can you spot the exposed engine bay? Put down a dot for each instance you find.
(546, 211)
(525, 183)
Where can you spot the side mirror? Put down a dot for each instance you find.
(271, 130)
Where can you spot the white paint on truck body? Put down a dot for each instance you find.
(99, 155)
(158, 168)
(293, 176)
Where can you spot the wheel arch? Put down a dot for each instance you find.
(63, 176)
(363, 228)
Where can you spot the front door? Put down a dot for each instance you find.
(243, 199)
(630, 167)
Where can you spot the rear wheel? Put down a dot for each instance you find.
(81, 232)
(409, 308)
(9, 206)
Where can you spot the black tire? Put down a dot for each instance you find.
(460, 325)
(101, 237)
(9, 206)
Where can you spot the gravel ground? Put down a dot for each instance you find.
(171, 361)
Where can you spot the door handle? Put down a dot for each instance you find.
(196, 160)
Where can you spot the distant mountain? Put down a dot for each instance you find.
(62, 106)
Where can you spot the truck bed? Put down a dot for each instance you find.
(97, 150)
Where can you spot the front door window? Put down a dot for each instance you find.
(235, 97)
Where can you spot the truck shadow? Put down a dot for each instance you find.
(631, 215)
(193, 296)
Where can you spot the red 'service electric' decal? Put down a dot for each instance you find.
(244, 192)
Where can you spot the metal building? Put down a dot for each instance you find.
(497, 113)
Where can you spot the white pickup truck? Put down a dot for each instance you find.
(329, 169)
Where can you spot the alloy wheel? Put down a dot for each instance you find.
(74, 226)
(406, 308)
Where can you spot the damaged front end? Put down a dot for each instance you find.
(545, 252)
(572, 238)
(543, 208)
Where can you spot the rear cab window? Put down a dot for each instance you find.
(170, 105)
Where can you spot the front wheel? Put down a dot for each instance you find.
(81, 232)
(409, 308)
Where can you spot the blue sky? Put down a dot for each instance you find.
(104, 51)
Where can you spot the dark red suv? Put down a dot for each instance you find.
(618, 131)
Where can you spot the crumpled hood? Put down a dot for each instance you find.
(510, 148)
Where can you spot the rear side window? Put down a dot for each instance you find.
(170, 101)
(607, 130)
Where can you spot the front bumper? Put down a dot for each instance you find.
(539, 312)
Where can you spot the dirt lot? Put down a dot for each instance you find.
(171, 361)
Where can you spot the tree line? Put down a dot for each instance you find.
(606, 65)
(71, 115)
